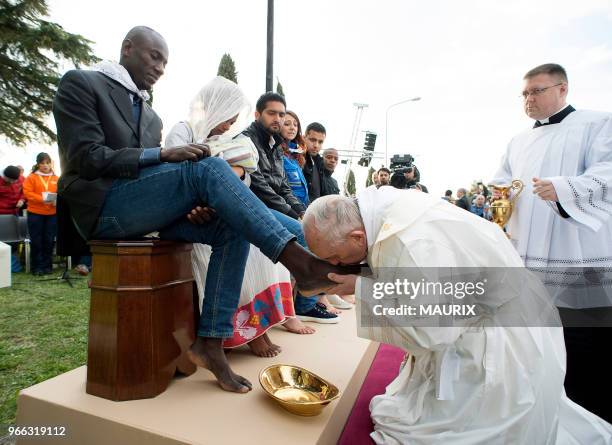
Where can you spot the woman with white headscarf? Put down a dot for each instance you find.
(266, 297)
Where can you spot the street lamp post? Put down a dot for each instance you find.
(413, 99)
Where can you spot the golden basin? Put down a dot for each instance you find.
(297, 390)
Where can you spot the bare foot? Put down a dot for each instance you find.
(272, 345)
(296, 326)
(263, 347)
(208, 353)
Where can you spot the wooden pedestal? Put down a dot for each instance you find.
(141, 319)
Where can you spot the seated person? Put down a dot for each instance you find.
(118, 182)
(266, 297)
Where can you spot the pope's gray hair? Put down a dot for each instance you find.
(334, 216)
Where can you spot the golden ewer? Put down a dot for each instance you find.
(501, 208)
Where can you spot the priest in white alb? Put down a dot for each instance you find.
(561, 225)
(476, 382)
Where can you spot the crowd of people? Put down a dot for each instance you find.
(34, 197)
(286, 169)
(477, 199)
(239, 200)
(275, 243)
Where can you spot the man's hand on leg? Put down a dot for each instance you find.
(201, 215)
(191, 152)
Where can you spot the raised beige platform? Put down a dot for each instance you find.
(194, 410)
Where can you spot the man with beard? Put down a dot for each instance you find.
(269, 182)
(384, 176)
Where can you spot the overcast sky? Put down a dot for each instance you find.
(464, 58)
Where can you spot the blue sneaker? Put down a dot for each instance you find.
(319, 314)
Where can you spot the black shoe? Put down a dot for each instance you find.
(37, 273)
(318, 314)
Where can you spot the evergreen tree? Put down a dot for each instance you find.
(279, 88)
(227, 68)
(31, 50)
(350, 184)
(369, 181)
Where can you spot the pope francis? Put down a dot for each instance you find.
(480, 383)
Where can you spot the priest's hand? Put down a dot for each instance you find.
(346, 284)
(201, 215)
(545, 189)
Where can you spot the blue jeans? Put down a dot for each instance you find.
(43, 229)
(161, 197)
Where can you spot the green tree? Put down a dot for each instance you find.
(227, 68)
(31, 50)
(349, 188)
(369, 181)
(279, 88)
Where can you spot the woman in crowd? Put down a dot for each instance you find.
(293, 148)
(40, 191)
(266, 296)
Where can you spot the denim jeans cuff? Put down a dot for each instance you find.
(285, 238)
(215, 333)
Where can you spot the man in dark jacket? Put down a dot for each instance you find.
(462, 200)
(269, 182)
(118, 182)
(313, 168)
(329, 186)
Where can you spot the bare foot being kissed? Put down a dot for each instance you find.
(262, 346)
(208, 353)
(296, 326)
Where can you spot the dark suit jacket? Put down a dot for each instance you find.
(313, 162)
(463, 203)
(98, 142)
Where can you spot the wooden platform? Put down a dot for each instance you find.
(193, 410)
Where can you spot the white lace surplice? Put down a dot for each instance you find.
(576, 155)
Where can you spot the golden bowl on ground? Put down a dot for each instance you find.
(297, 390)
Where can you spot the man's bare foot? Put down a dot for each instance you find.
(208, 353)
(263, 347)
(310, 272)
(296, 326)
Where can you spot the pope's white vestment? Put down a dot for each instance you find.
(481, 384)
(576, 155)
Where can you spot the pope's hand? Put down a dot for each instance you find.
(346, 284)
(545, 189)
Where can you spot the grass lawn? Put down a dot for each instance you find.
(43, 333)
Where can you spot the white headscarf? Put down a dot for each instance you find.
(218, 101)
(118, 73)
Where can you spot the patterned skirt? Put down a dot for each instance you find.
(266, 297)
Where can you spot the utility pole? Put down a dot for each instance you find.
(352, 144)
(270, 51)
